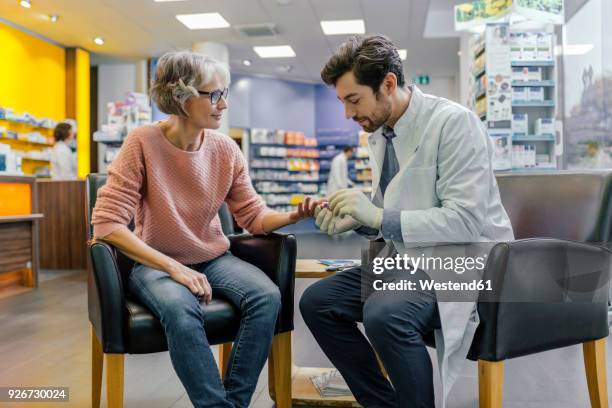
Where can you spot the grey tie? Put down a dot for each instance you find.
(390, 164)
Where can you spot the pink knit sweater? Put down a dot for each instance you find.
(174, 195)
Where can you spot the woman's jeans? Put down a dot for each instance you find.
(243, 285)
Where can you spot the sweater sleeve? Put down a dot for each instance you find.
(118, 199)
(243, 201)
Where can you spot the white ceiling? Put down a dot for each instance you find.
(136, 29)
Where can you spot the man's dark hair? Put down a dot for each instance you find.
(370, 58)
(62, 131)
(348, 149)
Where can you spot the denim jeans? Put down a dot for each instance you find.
(395, 323)
(183, 321)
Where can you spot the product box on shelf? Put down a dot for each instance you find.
(530, 46)
(516, 51)
(533, 73)
(520, 93)
(544, 126)
(520, 124)
(536, 94)
(545, 47)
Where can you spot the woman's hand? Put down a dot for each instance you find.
(195, 281)
(305, 209)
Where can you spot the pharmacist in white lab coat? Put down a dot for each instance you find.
(433, 182)
(338, 171)
(63, 164)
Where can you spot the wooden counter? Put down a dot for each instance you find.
(19, 217)
(63, 232)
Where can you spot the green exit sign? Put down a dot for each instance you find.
(421, 79)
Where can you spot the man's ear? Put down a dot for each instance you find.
(389, 84)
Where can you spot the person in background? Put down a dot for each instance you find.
(172, 177)
(63, 166)
(338, 172)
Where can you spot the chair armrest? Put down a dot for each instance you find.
(106, 298)
(275, 255)
(549, 293)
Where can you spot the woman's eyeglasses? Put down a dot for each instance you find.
(215, 96)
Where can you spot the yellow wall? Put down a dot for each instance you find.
(32, 74)
(82, 112)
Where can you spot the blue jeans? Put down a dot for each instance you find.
(243, 285)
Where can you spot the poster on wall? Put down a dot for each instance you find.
(499, 75)
(502, 142)
(588, 90)
(479, 12)
(546, 11)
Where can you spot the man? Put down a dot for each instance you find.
(432, 182)
(338, 171)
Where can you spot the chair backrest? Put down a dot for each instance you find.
(565, 205)
(97, 180)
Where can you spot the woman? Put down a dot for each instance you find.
(62, 160)
(173, 177)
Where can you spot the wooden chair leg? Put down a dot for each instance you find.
(490, 383)
(594, 353)
(97, 363)
(225, 350)
(281, 362)
(114, 379)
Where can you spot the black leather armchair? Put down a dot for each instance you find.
(120, 324)
(574, 212)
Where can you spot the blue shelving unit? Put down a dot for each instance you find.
(534, 104)
(545, 83)
(533, 138)
(532, 63)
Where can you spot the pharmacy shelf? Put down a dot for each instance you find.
(288, 146)
(481, 94)
(290, 181)
(546, 83)
(533, 138)
(532, 63)
(24, 124)
(9, 139)
(534, 104)
(31, 159)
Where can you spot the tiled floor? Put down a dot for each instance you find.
(44, 341)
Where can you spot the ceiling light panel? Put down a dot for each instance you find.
(337, 27)
(275, 51)
(203, 21)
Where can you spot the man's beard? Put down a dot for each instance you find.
(378, 118)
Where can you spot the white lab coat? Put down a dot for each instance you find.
(447, 192)
(338, 174)
(63, 165)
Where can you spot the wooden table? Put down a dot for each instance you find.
(303, 391)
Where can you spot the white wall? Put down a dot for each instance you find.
(444, 86)
(114, 81)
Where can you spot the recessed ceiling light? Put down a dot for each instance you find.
(202, 21)
(25, 3)
(53, 18)
(275, 51)
(246, 62)
(99, 40)
(343, 27)
(402, 53)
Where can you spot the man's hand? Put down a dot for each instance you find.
(354, 202)
(334, 225)
(305, 209)
(195, 281)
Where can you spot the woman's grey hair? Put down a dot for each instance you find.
(178, 76)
